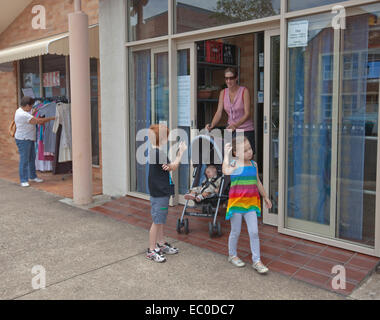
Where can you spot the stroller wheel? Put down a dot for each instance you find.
(219, 229)
(186, 225)
(210, 229)
(178, 228)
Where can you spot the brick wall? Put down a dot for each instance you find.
(20, 31)
(8, 106)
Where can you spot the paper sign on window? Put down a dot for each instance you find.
(51, 79)
(298, 33)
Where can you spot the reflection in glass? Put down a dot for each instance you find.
(140, 114)
(357, 153)
(200, 14)
(161, 88)
(147, 19)
(54, 66)
(30, 75)
(146, 109)
(306, 4)
(274, 123)
(183, 70)
(309, 125)
(94, 110)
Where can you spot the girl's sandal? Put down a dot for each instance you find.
(237, 262)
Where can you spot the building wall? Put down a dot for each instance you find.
(20, 31)
(113, 87)
(8, 106)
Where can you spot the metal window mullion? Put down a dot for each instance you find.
(152, 93)
(377, 203)
(171, 13)
(334, 214)
(41, 73)
(282, 174)
(19, 82)
(173, 111)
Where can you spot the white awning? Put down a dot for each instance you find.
(58, 44)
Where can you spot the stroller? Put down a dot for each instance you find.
(210, 205)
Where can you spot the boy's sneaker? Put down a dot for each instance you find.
(155, 256)
(36, 180)
(166, 248)
(259, 267)
(24, 184)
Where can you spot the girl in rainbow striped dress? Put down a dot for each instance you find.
(244, 200)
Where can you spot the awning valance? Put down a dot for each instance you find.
(58, 44)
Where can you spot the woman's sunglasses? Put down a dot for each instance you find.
(229, 78)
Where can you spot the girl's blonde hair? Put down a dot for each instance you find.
(235, 142)
(160, 132)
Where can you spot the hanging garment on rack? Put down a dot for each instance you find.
(63, 117)
(43, 163)
(48, 110)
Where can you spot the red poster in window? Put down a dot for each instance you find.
(51, 79)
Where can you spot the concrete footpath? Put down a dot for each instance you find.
(91, 256)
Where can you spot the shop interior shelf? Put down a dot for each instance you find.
(216, 65)
(208, 100)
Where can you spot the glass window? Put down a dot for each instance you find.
(306, 4)
(94, 111)
(358, 132)
(54, 75)
(30, 75)
(149, 103)
(310, 92)
(316, 183)
(183, 78)
(147, 19)
(200, 14)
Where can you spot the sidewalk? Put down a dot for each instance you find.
(60, 184)
(87, 255)
(292, 259)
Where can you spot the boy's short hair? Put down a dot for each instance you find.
(234, 144)
(27, 101)
(157, 130)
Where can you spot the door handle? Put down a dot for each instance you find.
(265, 125)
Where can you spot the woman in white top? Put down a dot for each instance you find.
(25, 137)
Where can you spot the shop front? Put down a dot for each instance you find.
(313, 75)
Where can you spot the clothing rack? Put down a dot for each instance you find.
(57, 99)
(58, 167)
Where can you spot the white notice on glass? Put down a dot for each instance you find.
(28, 92)
(183, 83)
(298, 33)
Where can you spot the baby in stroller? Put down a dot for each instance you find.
(209, 188)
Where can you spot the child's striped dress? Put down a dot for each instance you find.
(244, 194)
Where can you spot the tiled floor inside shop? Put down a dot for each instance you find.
(293, 257)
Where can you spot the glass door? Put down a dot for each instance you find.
(186, 110)
(312, 98)
(149, 103)
(271, 122)
(332, 126)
